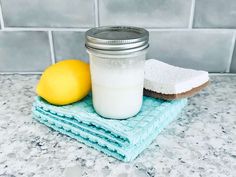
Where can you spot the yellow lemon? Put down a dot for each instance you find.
(65, 82)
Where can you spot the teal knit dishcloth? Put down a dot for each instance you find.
(122, 139)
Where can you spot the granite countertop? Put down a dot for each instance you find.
(202, 142)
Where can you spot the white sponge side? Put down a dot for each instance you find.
(167, 79)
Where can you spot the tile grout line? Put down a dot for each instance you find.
(148, 28)
(51, 47)
(231, 53)
(1, 17)
(40, 72)
(191, 29)
(192, 11)
(20, 72)
(96, 12)
(43, 29)
(222, 74)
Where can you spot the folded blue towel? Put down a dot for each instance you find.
(122, 139)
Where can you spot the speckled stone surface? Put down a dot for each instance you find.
(202, 142)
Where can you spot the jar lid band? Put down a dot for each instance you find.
(117, 39)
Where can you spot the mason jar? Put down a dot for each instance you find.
(117, 55)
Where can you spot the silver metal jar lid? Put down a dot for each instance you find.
(117, 39)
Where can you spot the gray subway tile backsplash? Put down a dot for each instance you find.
(69, 45)
(205, 43)
(48, 13)
(202, 50)
(151, 13)
(215, 14)
(24, 51)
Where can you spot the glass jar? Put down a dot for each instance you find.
(117, 56)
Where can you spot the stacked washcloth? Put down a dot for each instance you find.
(122, 139)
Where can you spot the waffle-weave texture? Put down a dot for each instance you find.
(122, 139)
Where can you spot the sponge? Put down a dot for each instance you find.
(169, 82)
